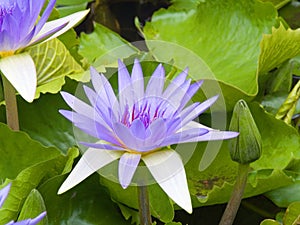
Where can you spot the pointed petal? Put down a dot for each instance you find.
(70, 22)
(167, 169)
(20, 70)
(127, 166)
(37, 219)
(91, 95)
(190, 93)
(45, 15)
(42, 38)
(212, 135)
(188, 115)
(184, 136)
(91, 161)
(126, 92)
(123, 76)
(156, 83)
(90, 126)
(83, 108)
(193, 124)
(178, 95)
(104, 91)
(175, 83)
(3, 193)
(102, 87)
(77, 105)
(137, 80)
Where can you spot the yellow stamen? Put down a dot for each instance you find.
(6, 53)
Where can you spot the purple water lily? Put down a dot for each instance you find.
(3, 194)
(138, 125)
(20, 27)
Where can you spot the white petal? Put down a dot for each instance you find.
(193, 124)
(127, 167)
(91, 161)
(212, 135)
(20, 70)
(167, 169)
(72, 20)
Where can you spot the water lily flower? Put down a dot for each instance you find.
(3, 194)
(138, 125)
(20, 27)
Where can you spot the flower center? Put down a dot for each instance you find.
(144, 112)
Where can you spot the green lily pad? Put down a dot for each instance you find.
(285, 196)
(53, 63)
(33, 206)
(278, 47)
(104, 47)
(86, 204)
(26, 163)
(277, 3)
(226, 35)
(291, 216)
(238, 42)
(67, 7)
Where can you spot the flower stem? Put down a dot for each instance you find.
(144, 206)
(12, 118)
(236, 197)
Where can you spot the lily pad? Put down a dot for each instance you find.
(53, 63)
(86, 204)
(26, 163)
(278, 47)
(104, 47)
(33, 206)
(67, 7)
(291, 216)
(226, 35)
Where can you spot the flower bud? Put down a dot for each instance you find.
(246, 148)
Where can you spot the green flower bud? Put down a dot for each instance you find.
(246, 148)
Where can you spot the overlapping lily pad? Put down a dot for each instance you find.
(226, 35)
(53, 63)
(86, 204)
(104, 47)
(26, 163)
(237, 40)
